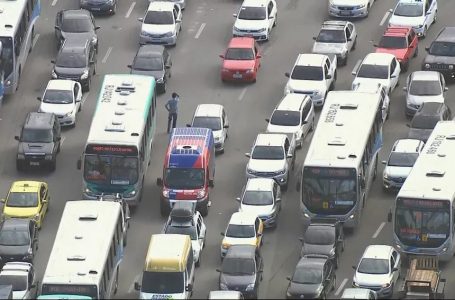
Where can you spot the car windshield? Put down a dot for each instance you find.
(111, 170)
(18, 282)
(163, 282)
(424, 122)
(331, 36)
(257, 198)
(213, 123)
(19, 199)
(148, 63)
(319, 236)
(285, 118)
(79, 25)
(36, 135)
(268, 152)
(425, 88)
(307, 73)
(184, 178)
(15, 237)
(159, 18)
(373, 71)
(238, 266)
(71, 60)
(58, 97)
(188, 230)
(409, 10)
(252, 13)
(307, 275)
(393, 42)
(442, 49)
(239, 54)
(240, 231)
(400, 159)
(373, 266)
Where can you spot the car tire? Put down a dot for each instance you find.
(336, 263)
(20, 166)
(354, 44)
(312, 125)
(164, 209)
(198, 263)
(435, 16)
(334, 282)
(114, 9)
(53, 165)
(204, 210)
(276, 20)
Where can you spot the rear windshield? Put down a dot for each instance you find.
(319, 236)
(425, 88)
(71, 60)
(79, 25)
(238, 266)
(307, 73)
(285, 118)
(373, 71)
(331, 36)
(239, 54)
(393, 42)
(424, 122)
(159, 18)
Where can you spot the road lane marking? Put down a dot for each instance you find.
(242, 94)
(384, 18)
(378, 231)
(128, 13)
(84, 98)
(198, 33)
(35, 40)
(341, 287)
(131, 289)
(357, 64)
(61, 141)
(107, 55)
(54, 2)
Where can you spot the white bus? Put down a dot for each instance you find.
(17, 31)
(342, 159)
(87, 252)
(118, 148)
(424, 209)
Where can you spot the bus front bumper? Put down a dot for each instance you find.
(132, 200)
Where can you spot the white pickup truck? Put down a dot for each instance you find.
(314, 75)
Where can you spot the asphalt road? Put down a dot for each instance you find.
(195, 76)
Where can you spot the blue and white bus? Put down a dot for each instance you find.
(17, 31)
(118, 149)
(341, 162)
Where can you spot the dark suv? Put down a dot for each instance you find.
(426, 118)
(100, 6)
(18, 240)
(39, 141)
(75, 23)
(76, 61)
(441, 54)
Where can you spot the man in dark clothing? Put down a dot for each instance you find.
(172, 108)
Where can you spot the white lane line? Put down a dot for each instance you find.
(198, 33)
(341, 287)
(107, 55)
(61, 141)
(384, 18)
(378, 231)
(131, 289)
(35, 40)
(357, 64)
(84, 98)
(242, 94)
(128, 13)
(54, 2)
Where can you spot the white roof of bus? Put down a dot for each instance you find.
(433, 174)
(10, 12)
(80, 245)
(120, 115)
(341, 133)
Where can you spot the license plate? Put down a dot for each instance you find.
(34, 163)
(96, 8)
(237, 76)
(345, 13)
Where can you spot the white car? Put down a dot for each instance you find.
(214, 117)
(294, 114)
(256, 18)
(63, 98)
(21, 275)
(400, 162)
(182, 3)
(350, 8)
(161, 23)
(423, 86)
(372, 87)
(379, 269)
(382, 68)
(262, 197)
(418, 14)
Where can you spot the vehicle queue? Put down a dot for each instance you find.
(118, 151)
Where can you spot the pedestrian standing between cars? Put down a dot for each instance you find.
(172, 108)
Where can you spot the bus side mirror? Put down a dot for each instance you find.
(137, 286)
(389, 216)
(79, 164)
(159, 181)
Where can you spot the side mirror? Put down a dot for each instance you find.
(405, 88)
(354, 73)
(178, 21)
(137, 286)
(259, 56)
(222, 233)
(234, 15)
(305, 122)
(328, 76)
(389, 216)
(288, 278)
(57, 27)
(78, 100)
(315, 38)
(38, 98)
(393, 76)
(58, 139)
(129, 66)
(390, 10)
(92, 62)
(278, 200)
(159, 181)
(375, 45)
(97, 27)
(301, 239)
(354, 267)
(188, 125)
(16, 137)
(384, 162)
(271, 17)
(408, 125)
(211, 183)
(427, 48)
(349, 39)
(79, 164)
(238, 199)
(3, 200)
(140, 19)
(218, 270)
(248, 154)
(189, 287)
(221, 56)
(226, 126)
(267, 120)
(167, 66)
(289, 156)
(53, 61)
(33, 286)
(394, 269)
(44, 201)
(287, 74)
(259, 234)
(446, 89)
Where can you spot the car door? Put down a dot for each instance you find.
(224, 124)
(431, 8)
(259, 227)
(42, 201)
(394, 73)
(257, 57)
(352, 37)
(271, 14)
(167, 65)
(306, 117)
(177, 18)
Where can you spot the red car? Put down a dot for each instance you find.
(401, 42)
(241, 60)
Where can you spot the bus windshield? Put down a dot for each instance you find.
(111, 170)
(162, 282)
(329, 191)
(7, 55)
(184, 178)
(422, 223)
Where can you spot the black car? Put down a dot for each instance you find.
(324, 237)
(426, 118)
(39, 141)
(314, 277)
(100, 6)
(242, 270)
(18, 240)
(76, 61)
(76, 23)
(153, 60)
(441, 54)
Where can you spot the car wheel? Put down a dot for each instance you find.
(355, 44)
(312, 125)
(19, 166)
(375, 168)
(276, 20)
(334, 281)
(434, 19)
(80, 108)
(114, 9)
(388, 112)
(53, 165)
(198, 263)
(204, 210)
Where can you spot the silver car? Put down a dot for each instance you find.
(336, 37)
(423, 86)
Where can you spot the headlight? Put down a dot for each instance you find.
(332, 252)
(444, 249)
(236, 28)
(420, 26)
(250, 71)
(451, 67)
(225, 246)
(129, 194)
(386, 176)
(250, 171)
(84, 75)
(20, 156)
(317, 93)
(201, 194)
(386, 285)
(36, 217)
(166, 193)
(69, 114)
(169, 34)
(281, 172)
(262, 29)
(144, 32)
(48, 157)
(351, 217)
(160, 80)
(250, 287)
(427, 66)
(355, 284)
(217, 139)
(54, 75)
(360, 6)
(287, 293)
(89, 192)
(95, 39)
(223, 286)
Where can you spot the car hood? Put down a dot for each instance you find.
(251, 24)
(20, 212)
(238, 64)
(237, 282)
(282, 129)
(157, 74)
(239, 241)
(371, 279)
(432, 59)
(19, 294)
(399, 53)
(158, 29)
(260, 210)
(262, 165)
(35, 148)
(69, 71)
(406, 21)
(384, 82)
(317, 249)
(307, 290)
(328, 48)
(419, 134)
(58, 109)
(306, 85)
(393, 171)
(79, 35)
(418, 100)
(13, 250)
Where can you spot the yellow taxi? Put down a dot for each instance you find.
(27, 199)
(244, 228)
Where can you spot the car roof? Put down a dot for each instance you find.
(447, 34)
(292, 101)
(241, 251)
(242, 218)
(60, 84)
(16, 223)
(25, 186)
(17, 266)
(378, 59)
(259, 184)
(39, 120)
(355, 293)
(430, 108)
(208, 110)
(311, 261)
(310, 59)
(150, 50)
(75, 45)
(241, 42)
(255, 3)
(425, 75)
(161, 6)
(75, 13)
(406, 146)
(377, 251)
(270, 139)
(397, 31)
